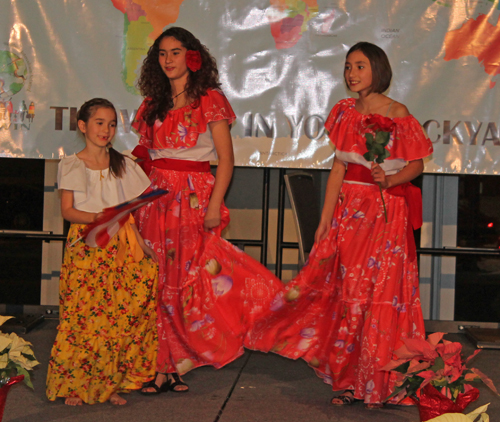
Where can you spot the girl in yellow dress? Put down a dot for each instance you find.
(106, 341)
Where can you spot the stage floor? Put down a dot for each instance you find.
(270, 388)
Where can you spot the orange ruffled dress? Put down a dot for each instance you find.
(357, 298)
(210, 292)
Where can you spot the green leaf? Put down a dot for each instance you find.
(396, 391)
(369, 138)
(382, 156)
(403, 368)
(382, 138)
(27, 378)
(440, 383)
(29, 357)
(378, 150)
(438, 364)
(369, 156)
(415, 384)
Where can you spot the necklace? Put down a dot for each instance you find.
(174, 97)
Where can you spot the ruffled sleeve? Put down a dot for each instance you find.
(94, 190)
(189, 124)
(134, 182)
(410, 142)
(335, 115)
(181, 127)
(141, 127)
(347, 127)
(214, 107)
(71, 174)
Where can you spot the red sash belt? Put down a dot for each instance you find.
(146, 164)
(412, 195)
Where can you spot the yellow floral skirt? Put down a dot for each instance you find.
(106, 339)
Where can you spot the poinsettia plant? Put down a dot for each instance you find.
(478, 415)
(16, 356)
(437, 362)
(377, 138)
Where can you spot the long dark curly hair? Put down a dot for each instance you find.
(154, 83)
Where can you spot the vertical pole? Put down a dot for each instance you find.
(265, 216)
(281, 223)
(437, 242)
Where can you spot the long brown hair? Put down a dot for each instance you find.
(87, 110)
(153, 82)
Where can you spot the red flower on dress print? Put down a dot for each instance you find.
(193, 60)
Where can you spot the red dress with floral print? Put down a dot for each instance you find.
(357, 298)
(210, 292)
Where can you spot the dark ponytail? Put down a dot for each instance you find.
(87, 110)
(116, 162)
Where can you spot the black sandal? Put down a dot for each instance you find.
(344, 399)
(177, 382)
(152, 384)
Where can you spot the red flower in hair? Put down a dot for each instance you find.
(193, 60)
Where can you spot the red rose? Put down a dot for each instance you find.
(193, 60)
(377, 122)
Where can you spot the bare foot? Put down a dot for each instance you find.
(117, 400)
(73, 401)
(159, 381)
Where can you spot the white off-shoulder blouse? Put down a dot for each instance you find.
(95, 190)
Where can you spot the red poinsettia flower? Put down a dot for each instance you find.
(433, 361)
(193, 60)
(417, 351)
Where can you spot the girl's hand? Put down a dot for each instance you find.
(321, 231)
(145, 248)
(212, 218)
(149, 252)
(379, 175)
(97, 215)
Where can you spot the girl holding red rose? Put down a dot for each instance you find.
(357, 298)
(209, 291)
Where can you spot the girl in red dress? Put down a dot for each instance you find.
(209, 291)
(357, 298)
